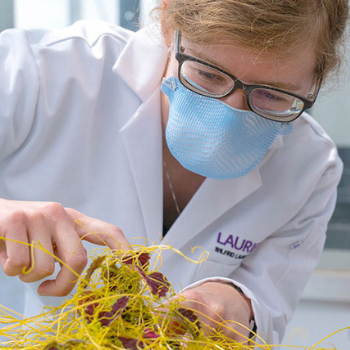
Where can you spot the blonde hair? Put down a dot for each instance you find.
(265, 25)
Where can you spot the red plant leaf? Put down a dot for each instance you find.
(128, 260)
(191, 316)
(143, 259)
(106, 317)
(157, 282)
(149, 333)
(130, 343)
(53, 346)
(89, 309)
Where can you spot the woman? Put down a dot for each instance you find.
(192, 135)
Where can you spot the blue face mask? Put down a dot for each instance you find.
(212, 139)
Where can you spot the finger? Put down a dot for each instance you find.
(73, 256)
(99, 232)
(42, 262)
(15, 256)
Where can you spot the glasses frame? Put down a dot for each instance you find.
(181, 57)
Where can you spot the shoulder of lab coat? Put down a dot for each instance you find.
(275, 274)
(89, 89)
(46, 63)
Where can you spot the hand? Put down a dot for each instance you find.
(216, 303)
(57, 230)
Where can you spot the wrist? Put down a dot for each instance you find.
(252, 324)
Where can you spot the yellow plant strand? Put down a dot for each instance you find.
(116, 303)
(88, 233)
(328, 336)
(10, 311)
(25, 270)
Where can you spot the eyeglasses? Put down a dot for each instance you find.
(211, 81)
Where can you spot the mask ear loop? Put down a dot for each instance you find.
(169, 83)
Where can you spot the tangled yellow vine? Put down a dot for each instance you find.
(122, 302)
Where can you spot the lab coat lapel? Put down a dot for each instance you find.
(142, 140)
(141, 66)
(143, 61)
(212, 200)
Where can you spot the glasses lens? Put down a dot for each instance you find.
(270, 103)
(204, 79)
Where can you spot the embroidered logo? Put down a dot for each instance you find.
(234, 246)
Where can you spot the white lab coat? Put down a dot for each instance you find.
(80, 125)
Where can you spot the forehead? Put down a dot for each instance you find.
(292, 70)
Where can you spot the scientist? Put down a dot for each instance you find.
(189, 133)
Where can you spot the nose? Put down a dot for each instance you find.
(237, 99)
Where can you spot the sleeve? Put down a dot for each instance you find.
(274, 276)
(18, 90)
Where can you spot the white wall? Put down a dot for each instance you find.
(57, 13)
(106, 10)
(332, 110)
(325, 305)
(41, 13)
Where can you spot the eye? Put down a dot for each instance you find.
(277, 101)
(271, 96)
(205, 78)
(209, 75)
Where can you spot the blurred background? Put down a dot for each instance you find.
(325, 306)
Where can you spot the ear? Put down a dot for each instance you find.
(167, 31)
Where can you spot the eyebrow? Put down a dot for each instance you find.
(278, 85)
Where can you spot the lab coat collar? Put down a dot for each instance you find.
(142, 65)
(212, 200)
(143, 61)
